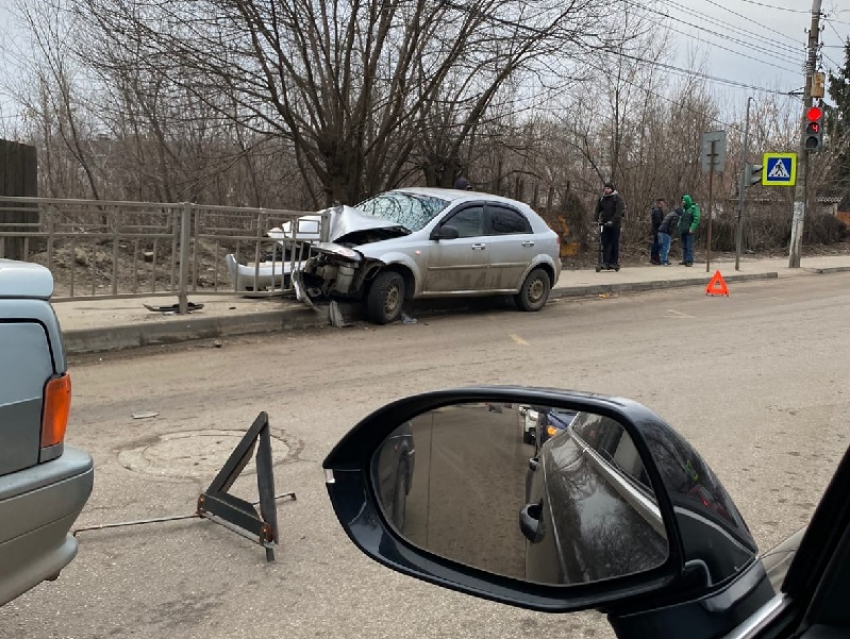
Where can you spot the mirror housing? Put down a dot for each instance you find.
(709, 544)
(445, 232)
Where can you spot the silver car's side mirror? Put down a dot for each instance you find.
(445, 232)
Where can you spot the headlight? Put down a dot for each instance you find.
(338, 250)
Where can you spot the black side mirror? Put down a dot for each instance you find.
(439, 487)
(445, 232)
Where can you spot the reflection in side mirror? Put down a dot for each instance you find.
(563, 500)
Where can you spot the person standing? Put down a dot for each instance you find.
(688, 224)
(656, 216)
(665, 232)
(462, 184)
(609, 215)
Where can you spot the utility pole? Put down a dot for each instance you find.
(796, 247)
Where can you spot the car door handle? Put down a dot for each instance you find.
(478, 247)
(528, 243)
(529, 522)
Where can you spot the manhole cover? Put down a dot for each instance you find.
(196, 454)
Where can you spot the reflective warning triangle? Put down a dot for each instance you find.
(717, 285)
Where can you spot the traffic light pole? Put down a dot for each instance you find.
(745, 178)
(796, 247)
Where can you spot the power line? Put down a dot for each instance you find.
(784, 48)
(829, 21)
(836, 20)
(832, 26)
(741, 15)
(677, 103)
(722, 36)
(699, 74)
(771, 6)
(662, 65)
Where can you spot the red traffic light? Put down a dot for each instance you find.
(814, 114)
(813, 127)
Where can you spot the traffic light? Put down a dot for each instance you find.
(752, 174)
(813, 135)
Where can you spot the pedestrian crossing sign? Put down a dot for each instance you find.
(780, 169)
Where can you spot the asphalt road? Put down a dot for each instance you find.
(469, 486)
(757, 382)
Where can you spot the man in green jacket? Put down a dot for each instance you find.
(688, 224)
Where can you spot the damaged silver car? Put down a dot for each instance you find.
(414, 243)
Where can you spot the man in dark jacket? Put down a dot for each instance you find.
(656, 216)
(669, 226)
(688, 224)
(609, 213)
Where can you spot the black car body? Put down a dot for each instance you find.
(590, 477)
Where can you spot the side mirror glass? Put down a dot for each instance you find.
(445, 232)
(536, 493)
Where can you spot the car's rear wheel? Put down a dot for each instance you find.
(385, 298)
(535, 291)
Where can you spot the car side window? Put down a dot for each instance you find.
(502, 220)
(469, 221)
(605, 436)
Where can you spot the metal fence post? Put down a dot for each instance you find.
(325, 231)
(185, 236)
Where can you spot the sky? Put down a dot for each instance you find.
(757, 42)
(760, 43)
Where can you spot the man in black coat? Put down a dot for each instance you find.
(609, 214)
(656, 216)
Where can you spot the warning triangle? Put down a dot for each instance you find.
(779, 172)
(717, 285)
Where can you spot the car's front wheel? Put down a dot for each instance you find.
(535, 291)
(385, 298)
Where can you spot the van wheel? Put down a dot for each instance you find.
(385, 298)
(534, 292)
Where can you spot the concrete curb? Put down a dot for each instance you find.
(128, 336)
(602, 289)
(116, 338)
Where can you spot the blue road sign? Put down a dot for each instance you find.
(780, 169)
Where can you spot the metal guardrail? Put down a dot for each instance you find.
(99, 249)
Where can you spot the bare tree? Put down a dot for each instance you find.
(352, 85)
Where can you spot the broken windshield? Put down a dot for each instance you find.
(411, 211)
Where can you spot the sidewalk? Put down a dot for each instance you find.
(110, 324)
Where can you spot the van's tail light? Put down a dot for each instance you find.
(57, 407)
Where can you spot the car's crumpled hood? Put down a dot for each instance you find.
(343, 220)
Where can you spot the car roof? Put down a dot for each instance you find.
(24, 280)
(456, 194)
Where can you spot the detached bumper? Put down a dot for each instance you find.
(248, 278)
